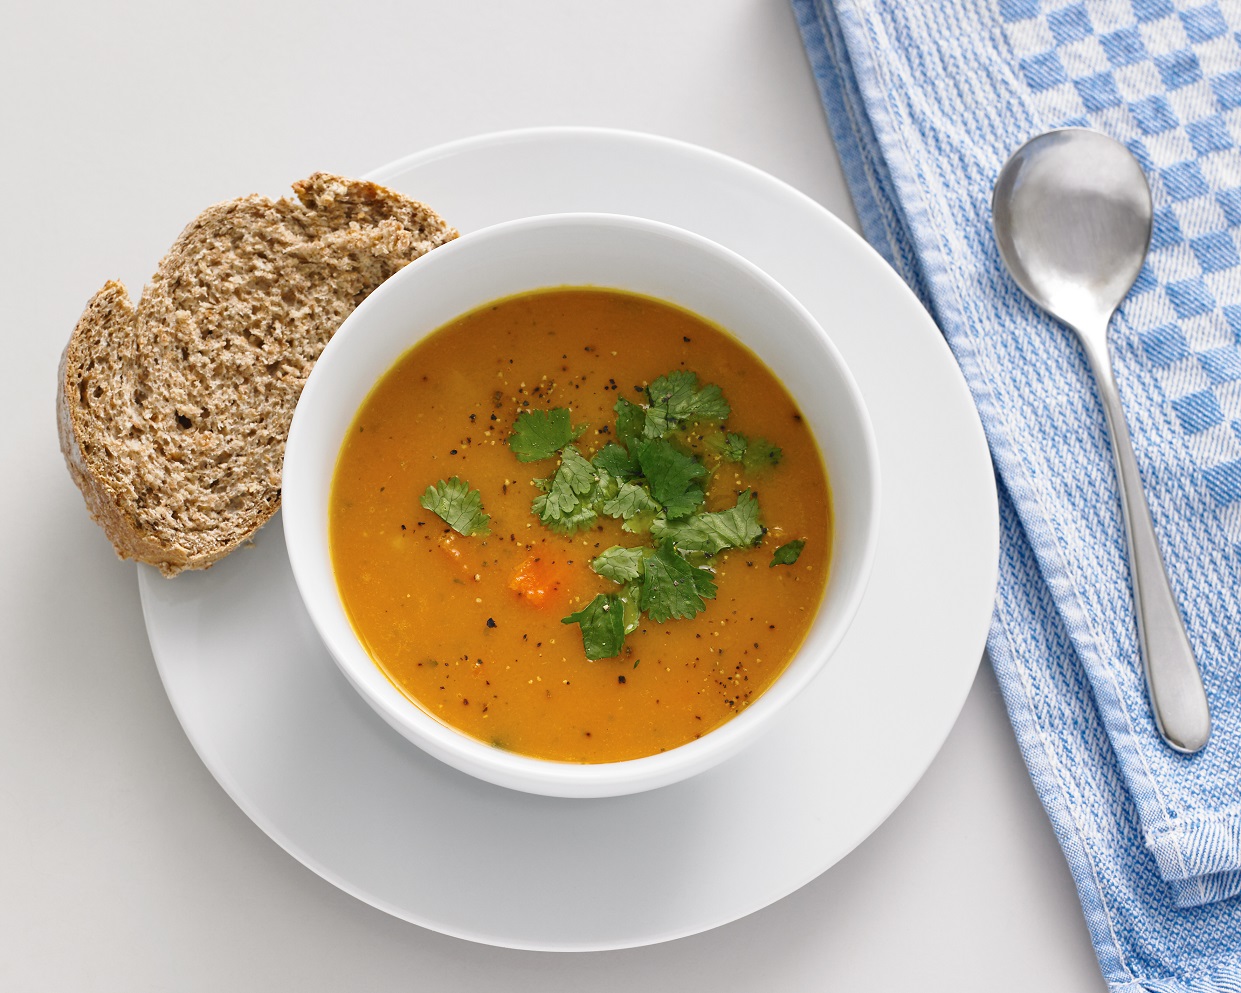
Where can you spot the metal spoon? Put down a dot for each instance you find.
(1072, 214)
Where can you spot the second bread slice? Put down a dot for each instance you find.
(173, 414)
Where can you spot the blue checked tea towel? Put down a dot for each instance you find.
(926, 99)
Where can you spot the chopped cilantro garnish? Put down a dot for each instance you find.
(755, 454)
(650, 480)
(460, 507)
(671, 587)
(737, 527)
(732, 447)
(641, 523)
(565, 503)
(573, 521)
(787, 553)
(615, 461)
(630, 422)
(606, 487)
(631, 597)
(629, 501)
(621, 564)
(671, 475)
(676, 400)
(761, 454)
(603, 626)
(540, 434)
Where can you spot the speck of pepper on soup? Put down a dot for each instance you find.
(580, 524)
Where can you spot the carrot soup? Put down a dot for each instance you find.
(580, 524)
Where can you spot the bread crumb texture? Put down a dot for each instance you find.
(173, 414)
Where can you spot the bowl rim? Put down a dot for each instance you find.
(514, 770)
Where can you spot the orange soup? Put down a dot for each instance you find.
(580, 524)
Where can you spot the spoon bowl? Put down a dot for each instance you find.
(1073, 217)
(1072, 213)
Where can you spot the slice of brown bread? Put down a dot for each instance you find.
(173, 415)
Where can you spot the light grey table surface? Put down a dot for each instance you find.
(123, 865)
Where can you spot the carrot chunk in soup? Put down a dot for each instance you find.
(537, 581)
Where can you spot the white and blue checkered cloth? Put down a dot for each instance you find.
(926, 99)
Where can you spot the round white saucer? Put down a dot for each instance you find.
(328, 780)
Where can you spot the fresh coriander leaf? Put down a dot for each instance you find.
(540, 434)
(629, 501)
(569, 522)
(565, 504)
(686, 504)
(675, 400)
(606, 488)
(621, 564)
(641, 523)
(631, 597)
(788, 553)
(737, 527)
(575, 471)
(755, 454)
(630, 422)
(704, 583)
(615, 461)
(603, 626)
(761, 454)
(671, 475)
(460, 507)
(671, 587)
(732, 447)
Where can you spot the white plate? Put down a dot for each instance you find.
(314, 767)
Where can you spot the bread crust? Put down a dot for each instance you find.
(172, 415)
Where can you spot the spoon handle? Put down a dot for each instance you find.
(1177, 696)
